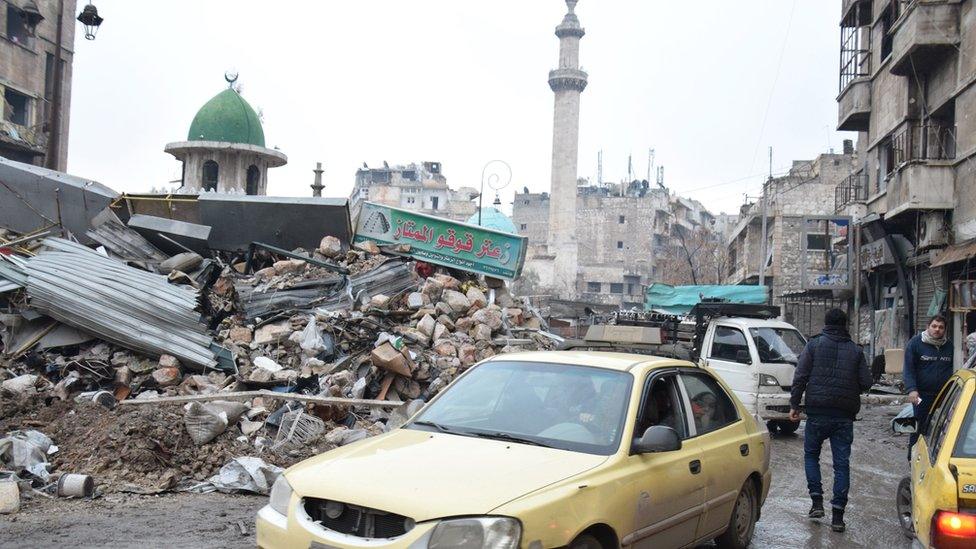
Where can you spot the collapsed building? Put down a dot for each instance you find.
(157, 352)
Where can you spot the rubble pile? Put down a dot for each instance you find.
(282, 355)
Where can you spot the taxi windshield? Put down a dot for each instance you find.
(562, 406)
(778, 344)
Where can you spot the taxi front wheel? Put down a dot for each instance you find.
(742, 525)
(586, 541)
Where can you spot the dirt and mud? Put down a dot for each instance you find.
(216, 520)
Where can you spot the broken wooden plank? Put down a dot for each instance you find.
(245, 395)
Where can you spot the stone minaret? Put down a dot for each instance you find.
(317, 185)
(567, 83)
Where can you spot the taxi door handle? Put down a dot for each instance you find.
(744, 450)
(695, 466)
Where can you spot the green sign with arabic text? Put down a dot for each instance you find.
(444, 242)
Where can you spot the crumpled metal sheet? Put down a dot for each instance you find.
(26, 451)
(243, 474)
(124, 242)
(126, 306)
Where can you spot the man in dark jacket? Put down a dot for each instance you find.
(833, 374)
(928, 365)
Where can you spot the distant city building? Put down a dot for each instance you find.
(798, 244)
(224, 150)
(417, 187)
(28, 38)
(628, 238)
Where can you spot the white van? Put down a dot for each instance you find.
(756, 355)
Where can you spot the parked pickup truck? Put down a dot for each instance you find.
(746, 345)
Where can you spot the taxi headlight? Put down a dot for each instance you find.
(280, 495)
(476, 533)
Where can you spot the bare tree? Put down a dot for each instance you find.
(694, 257)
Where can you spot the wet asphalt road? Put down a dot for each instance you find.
(878, 462)
(217, 521)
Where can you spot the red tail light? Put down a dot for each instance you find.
(951, 530)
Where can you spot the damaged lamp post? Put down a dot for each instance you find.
(494, 172)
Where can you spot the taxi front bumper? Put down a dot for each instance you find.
(275, 531)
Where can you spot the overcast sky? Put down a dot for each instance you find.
(709, 85)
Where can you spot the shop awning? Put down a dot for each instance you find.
(954, 253)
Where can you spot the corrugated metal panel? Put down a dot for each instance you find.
(120, 304)
(124, 242)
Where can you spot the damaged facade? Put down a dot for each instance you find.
(623, 232)
(28, 81)
(417, 187)
(905, 88)
(794, 202)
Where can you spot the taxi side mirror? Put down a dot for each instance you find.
(657, 438)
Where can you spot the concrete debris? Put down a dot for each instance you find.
(315, 349)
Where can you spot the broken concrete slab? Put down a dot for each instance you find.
(183, 262)
(458, 302)
(388, 358)
(272, 333)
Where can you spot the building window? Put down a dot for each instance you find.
(887, 20)
(620, 244)
(210, 172)
(526, 202)
(593, 287)
(253, 178)
(16, 107)
(524, 226)
(621, 220)
(433, 202)
(616, 287)
(411, 200)
(17, 26)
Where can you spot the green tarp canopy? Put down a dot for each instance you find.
(680, 299)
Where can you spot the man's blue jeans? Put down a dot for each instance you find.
(840, 432)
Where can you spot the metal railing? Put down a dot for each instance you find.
(923, 142)
(853, 190)
(855, 51)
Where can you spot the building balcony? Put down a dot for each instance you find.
(854, 190)
(856, 12)
(924, 34)
(854, 106)
(921, 186)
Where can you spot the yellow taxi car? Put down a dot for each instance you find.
(534, 450)
(937, 504)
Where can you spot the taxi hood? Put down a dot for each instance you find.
(425, 476)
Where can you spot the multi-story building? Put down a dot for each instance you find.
(622, 232)
(906, 86)
(418, 187)
(28, 54)
(806, 260)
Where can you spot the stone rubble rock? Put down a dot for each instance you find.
(427, 325)
(458, 302)
(477, 298)
(444, 309)
(287, 266)
(447, 282)
(468, 354)
(368, 246)
(464, 324)
(266, 363)
(330, 247)
(445, 348)
(241, 335)
(490, 317)
(432, 289)
(168, 361)
(447, 322)
(439, 332)
(272, 333)
(380, 301)
(166, 377)
(415, 300)
(480, 332)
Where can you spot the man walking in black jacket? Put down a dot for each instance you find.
(833, 374)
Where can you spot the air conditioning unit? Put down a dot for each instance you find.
(932, 231)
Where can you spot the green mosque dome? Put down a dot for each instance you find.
(227, 118)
